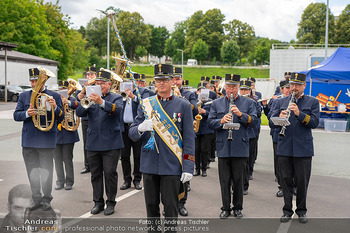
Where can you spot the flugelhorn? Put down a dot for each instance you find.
(39, 105)
(86, 102)
(71, 120)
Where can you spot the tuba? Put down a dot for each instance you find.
(117, 78)
(37, 102)
(71, 120)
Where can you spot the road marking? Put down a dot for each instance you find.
(9, 136)
(1, 179)
(284, 226)
(88, 214)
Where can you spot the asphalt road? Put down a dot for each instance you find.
(328, 196)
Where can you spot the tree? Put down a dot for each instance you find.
(159, 37)
(342, 28)
(140, 51)
(243, 34)
(208, 27)
(133, 31)
(176, 41)
(229, 51)
(312, 26)
(200, 50)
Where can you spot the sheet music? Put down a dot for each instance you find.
(93, 89)
(280, 121)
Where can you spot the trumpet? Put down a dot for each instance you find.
(36, 102)
(71, 120)
(176, 91)
(86, 102)
(282, 133)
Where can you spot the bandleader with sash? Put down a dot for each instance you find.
(171, 161)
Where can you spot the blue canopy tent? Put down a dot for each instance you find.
(331, 76)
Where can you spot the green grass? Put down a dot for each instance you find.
(264, 120)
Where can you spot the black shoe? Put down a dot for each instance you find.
(208, 165)
(96, 209)
(35, 205)
(188, 187)
(59, 186)
(245, 192)
(183, 211)
(279, 193)
(68, 187)
(196, 173)
(46, 206)
(285, 218)
(224, 214)
(126, 185)
(302, 218)
(212, 160)
(250, 177)
(85, 170)
(109, 210)
(204, 173)
(238, 213)
(137, 185)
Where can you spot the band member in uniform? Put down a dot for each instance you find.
(219, 90)
(38, 147)
(267, 107)
(172, 159)
(103, 142)
(232, 154)
(190, 96)
(278, 88)
(64, 146)
(295, 149)
(129, 113)
(90, 75)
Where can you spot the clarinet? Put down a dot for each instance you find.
(232, 102)
(283, 130)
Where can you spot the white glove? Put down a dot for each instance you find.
(146, 125)
(186, 177)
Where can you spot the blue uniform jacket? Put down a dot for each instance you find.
(268, 110)
(191, 97)
(64, 136)
(298, 141)
(203, 126)
(104, 130)
(239, 147)
(166, 163)
(31, 136)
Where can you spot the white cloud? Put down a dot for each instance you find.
(276, 19)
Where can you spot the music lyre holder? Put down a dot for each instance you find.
(280, 121)
(231, 126)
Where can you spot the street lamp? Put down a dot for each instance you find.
(182, 61)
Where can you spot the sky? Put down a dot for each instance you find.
(275, 19)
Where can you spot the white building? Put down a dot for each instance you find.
(18, 65)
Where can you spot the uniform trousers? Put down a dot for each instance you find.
(251, 160)
(103, 164)
(212, 147)
(64, 155)
(298, 168)
(202, 151)
(232, 169)
(183, 200)
(275, 164)
(164, 188)
(39, 165)
(126, 154)
(84, 126)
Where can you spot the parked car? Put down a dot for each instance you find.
(192, 62)
(25, 87)
(12, 92)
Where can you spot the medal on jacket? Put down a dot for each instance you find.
(174, 117)
(179, 117)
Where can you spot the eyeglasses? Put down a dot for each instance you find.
(162, 80)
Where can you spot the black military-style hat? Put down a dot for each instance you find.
(136, 76)
(287, 74)
(163, 71)
(200, 86)
(232, 78)
(103, 76)
(297, 78)
(245, 84)
(177, 72)
(113, 69)
(63, 84)
(34, 74)
(284, 83)
(216, 78)
(91, 69)
(143, 77)
(205, 79)
(185, 83)
(127, 75)
(212, 83)
(251, 79)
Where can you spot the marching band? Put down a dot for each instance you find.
(171, 131)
